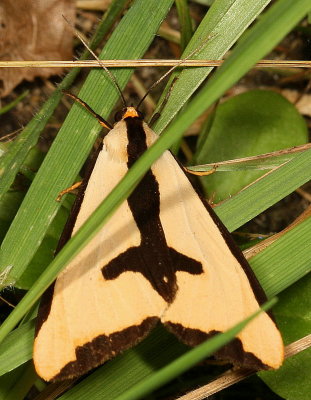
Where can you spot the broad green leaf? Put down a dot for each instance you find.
(246, 125)
(293, 315)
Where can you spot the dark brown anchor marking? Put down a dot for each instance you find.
(153, 258)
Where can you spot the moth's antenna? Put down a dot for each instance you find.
(112, 77)
(170, 71)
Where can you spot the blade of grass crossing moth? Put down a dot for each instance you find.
(11, 163)
(76, 136)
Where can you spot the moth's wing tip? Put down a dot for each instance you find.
(95, 352)
(233, 352)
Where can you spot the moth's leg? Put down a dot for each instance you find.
(157, 115)
(100, 119)
(202, 173)
(68, 190)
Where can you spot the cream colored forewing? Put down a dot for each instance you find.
(92, 318)
(222, 296)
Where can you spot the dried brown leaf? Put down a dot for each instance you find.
(33, 30)
(100, 5)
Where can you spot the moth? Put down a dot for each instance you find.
(163, 256)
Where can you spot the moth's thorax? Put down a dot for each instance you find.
(116, 141)
(130, 112)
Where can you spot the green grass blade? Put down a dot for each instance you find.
(8, 381)
(13, 103)
(260, 162)
(258, 197)
(285, 261)
(184, 22)
(23, 383)
(222, 26)
(266, 33)
(17, 347)
(12, 161)
(292, 313)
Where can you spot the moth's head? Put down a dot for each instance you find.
(128, 112)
